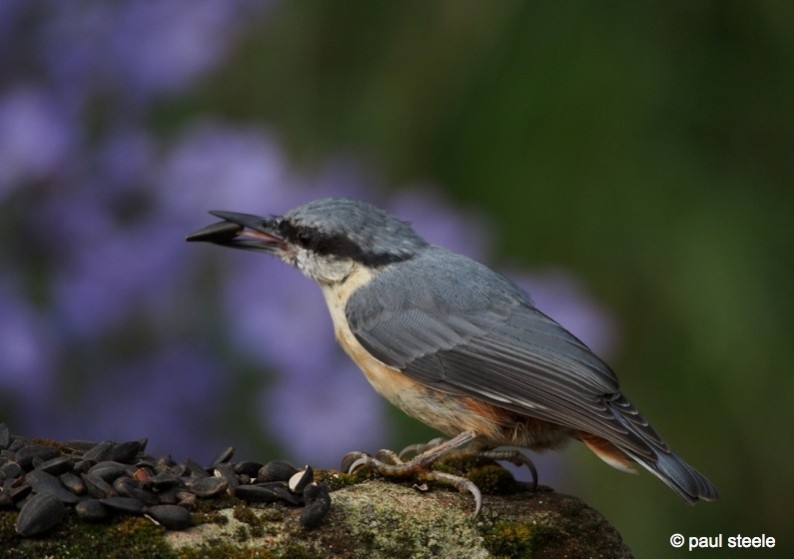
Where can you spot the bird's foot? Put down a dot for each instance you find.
(419, 448)
(390, 464)
(514, 457)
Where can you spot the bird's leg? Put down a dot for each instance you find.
(419, 448)
(419, 466)
(389, 457)
(514, 457)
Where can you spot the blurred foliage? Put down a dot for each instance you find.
(645, 145)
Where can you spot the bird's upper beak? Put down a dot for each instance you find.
(242, 231)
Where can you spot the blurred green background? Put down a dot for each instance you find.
(646, 146)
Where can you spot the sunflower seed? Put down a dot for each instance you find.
(26, 454)
(102, 451)
(318, 503)
(123, 504)
(171, 517)
(205, 487)
(226, 471)
(91, 510)
(109, 470)
(73, 483)
(195, 469)
(42, 482)
(40, 513)
(164, 481)
(257, 494)
(127, 451)
(6, 502)
(222, 458)
(57, 466)
(97, 487)
(301, 479)
(99, 478)
(11, 470)
(276, 470)
(248, 468)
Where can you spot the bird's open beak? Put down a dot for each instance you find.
(245, 231)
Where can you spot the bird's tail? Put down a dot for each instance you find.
(644, 446)
(682, 478)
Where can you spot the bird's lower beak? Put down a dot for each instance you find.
(244, 231)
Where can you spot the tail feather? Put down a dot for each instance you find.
(682, 478)
(656, 456)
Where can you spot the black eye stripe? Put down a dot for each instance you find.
(304, 238)
(337, 245)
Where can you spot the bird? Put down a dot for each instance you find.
(456, 345)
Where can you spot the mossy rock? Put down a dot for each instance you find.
(369, 517)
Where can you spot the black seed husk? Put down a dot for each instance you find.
(257, 494)
(102, 480)
(40, 513)
(102, 451)
(301, 479)
(222, 458)
(124, 504)
(42, 482)
(276, 470)
(73, 483)
(97, 487)
(318, 503)
(91, 510)
(171, 517)
(26, 454)
(205, 487)
(57, 466)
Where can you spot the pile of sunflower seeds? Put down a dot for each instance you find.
(101, 479)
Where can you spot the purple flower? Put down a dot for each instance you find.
(217, 166)
(321, 416)
(35, 139)
(276, 315)
(139, 49)
(174, 397)
(28, 348)
(112, 271)
(125, 164)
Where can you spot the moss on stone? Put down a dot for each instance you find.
(490, 477)
(225, 551)
(369, 518)
(336, 480)
(389, 524)
(119, 539)
(509, 539)
(246, 515)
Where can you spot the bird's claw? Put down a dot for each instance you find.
(514, 457)
(460, 483)
(356, 460)
(390, 464)
(389, 457)
(382, 459)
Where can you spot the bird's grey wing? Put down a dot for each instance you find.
(459, 327)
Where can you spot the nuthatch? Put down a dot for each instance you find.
(455, 344)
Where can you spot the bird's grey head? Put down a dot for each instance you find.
(326, 239)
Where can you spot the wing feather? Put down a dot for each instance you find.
(464, 329)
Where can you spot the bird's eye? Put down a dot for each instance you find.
(304, 238)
